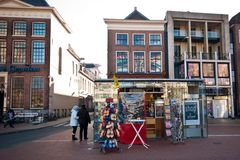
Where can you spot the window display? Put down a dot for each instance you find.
(223, 70)
(193, 70)
(208, 69)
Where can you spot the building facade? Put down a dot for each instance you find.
(136, 47)
(199, 48)
(39, 70)
(235, 49)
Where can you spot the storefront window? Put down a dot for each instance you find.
(156, 62)
(122, 62)
(37, 92)
(139, 65)
(193, 70)
(18, 92)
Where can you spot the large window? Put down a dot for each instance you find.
(19, 51)
(3, 51)
(39, 29)
(20, 28)
(138, 40)
(155, 62)
(139, 65)
(193, 70)
(208, 70)
(122, 62)
(37, 92)
(155, 39)
(209, 73)
(38, 52)
(18, 92)
(223, 74)
(3, 28)
(122, 39)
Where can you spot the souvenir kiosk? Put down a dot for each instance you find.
(168, 107)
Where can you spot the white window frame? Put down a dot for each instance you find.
(160, 39)
(31, 92)
(14, 50)
(7, 28)
(116, 39)
(39, 35)
(161, 54)
(44, 51)
(116, 61)
(14, 29)
(134, 61)
(144, 43)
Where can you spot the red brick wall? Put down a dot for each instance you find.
(44, 68)
(112, 48)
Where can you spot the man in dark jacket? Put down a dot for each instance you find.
(84, 119)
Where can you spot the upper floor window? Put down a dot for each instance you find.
(3, 28)
(39, 29)
(139, 65)
(155, 39)
(19, 51)
(122, 62)
(37, 92)
(193, 70)
(20, 28)
(38, 52)
(122, 39)
(155, 58)
(3, 51)
(138, 39)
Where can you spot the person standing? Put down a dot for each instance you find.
(74, 121)
(84, 120)
(9, 119)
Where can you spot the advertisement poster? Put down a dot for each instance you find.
(131, 106)
(191, 113)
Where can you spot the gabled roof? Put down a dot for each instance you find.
(235, 19)
(136, 15)
(39, 3)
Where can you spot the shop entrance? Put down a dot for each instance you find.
(154, 107)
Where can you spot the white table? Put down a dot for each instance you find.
(132, 121)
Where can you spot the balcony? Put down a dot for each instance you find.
(213, 36)
(203, 56)
(180, 35)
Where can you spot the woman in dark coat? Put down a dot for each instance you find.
(84, 120)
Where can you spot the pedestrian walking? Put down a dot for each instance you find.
(9, 118)
(84, 120)
(74, 121)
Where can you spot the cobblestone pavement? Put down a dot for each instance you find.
(221, 144)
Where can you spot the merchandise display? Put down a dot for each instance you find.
(173, 122)
(109, 128)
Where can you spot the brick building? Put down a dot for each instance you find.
(136, 47)
(39, 70)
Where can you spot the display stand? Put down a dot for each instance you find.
(132, 121)
(173, 122)
(109, 128)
